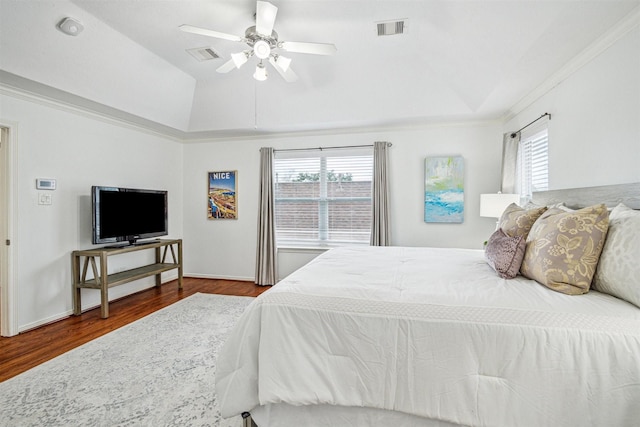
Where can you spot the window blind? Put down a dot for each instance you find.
(534, 163)
(323, 198)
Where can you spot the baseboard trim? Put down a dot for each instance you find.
(68, 313)
(219, 277)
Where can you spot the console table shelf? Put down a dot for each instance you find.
(100, 269)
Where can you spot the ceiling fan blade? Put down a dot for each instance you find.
(282, 62)
(312, 48)
(209, 33)
(227, 66)
(265, 17)
(287, 74)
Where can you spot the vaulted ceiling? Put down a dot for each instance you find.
(455, 61)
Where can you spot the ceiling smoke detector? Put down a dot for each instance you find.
(70, 26)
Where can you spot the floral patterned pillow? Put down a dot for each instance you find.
(563, 248)
(516, 221)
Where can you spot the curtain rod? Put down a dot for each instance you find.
(328, 148)
(513, 135)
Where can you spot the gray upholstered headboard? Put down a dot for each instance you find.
(610, 195)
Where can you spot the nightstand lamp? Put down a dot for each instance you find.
(493, 205)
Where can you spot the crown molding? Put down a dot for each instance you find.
(32, 91)
(29, 90)
(418, 123)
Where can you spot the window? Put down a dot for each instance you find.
(533, 162)
(323, 198)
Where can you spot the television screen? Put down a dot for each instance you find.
(127, 214)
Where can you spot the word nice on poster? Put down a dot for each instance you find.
(222, 196)
(444, 189)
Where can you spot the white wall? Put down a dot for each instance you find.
(78, 151)
(226, 248)
(594, 132)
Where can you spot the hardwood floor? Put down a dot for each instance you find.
(28, 349)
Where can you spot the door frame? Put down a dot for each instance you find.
(8, 181)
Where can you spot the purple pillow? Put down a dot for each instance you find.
(504, 253)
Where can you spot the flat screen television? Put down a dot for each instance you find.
(127, 214)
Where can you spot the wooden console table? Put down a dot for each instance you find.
(103, 281)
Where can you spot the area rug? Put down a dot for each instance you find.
(156, 371)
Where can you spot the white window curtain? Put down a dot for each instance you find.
(266, 252)
(525, 160)
(510, 148)
(380, 227)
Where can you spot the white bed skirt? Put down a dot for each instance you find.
(284, 415)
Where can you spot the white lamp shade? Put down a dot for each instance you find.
(261, 73)
(493, 205)
(239, 58)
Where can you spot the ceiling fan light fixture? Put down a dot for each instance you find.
(239, 58)
(262, 40)
(262, 49)
(260, 73)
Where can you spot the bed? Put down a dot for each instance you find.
(380, 336)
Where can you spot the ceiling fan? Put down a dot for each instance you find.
(264, 43)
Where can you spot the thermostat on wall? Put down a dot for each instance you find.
(45, 184)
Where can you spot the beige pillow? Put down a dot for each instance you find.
(563, 248)
(618, 272)
(516, 221)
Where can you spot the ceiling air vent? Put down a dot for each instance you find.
(203, 53)
(391, 28)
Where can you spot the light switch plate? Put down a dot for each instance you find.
(44, 198)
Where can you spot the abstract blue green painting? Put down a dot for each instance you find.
(444, 189)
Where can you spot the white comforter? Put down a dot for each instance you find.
(434, 333)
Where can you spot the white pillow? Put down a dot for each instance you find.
(618, 271)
